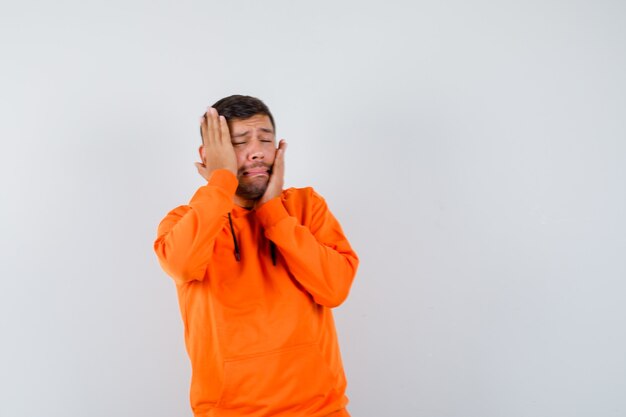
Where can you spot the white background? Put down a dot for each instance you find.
(474, 152)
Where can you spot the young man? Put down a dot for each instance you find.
(257, 270)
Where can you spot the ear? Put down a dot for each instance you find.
(202, 152)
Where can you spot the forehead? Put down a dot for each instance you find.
(256, 122)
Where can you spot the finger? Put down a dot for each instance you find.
(225, 133)
(203, 129)
(215, 126)
(200, 167)
(280, 152)
(207, 127)
(279, 160)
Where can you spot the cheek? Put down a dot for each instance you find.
(270, 154)
(241, 157)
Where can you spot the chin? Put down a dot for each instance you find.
(251, 191)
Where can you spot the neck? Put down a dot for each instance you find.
(243, 202)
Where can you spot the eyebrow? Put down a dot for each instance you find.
(246, 132)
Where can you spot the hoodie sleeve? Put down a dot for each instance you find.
(186, 236)
(316, 253)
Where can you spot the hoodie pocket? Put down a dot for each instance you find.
(294, 378)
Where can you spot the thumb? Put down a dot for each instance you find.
(200, 166)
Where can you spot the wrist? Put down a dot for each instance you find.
(223, 178)
(271, 212)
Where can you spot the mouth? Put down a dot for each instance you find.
(256, 171)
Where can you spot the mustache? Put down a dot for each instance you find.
(243, 169)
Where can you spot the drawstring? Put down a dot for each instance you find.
(273, 252)
(238, 254)
(232, 231)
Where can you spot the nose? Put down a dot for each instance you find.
(255, 153)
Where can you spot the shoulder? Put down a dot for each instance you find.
(179, 211)
(172, 218)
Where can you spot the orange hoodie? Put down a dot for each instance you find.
(259, 330)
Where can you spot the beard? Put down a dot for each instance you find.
(252, 188)
(252, 191)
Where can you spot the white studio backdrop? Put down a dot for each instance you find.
(474, 152)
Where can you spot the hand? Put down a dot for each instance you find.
(277, 179)
(217, 150)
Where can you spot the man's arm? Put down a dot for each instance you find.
(186, 236)
(318, 255)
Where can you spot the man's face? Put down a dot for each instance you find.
(254, 142)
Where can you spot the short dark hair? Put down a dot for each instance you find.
(242, 107)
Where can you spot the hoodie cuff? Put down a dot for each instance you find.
(270, 213)
(225, 180)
